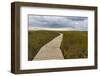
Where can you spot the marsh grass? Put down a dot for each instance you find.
(74, 43)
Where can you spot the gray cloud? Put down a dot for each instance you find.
(76, 22)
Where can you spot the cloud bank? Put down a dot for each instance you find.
(75, 22)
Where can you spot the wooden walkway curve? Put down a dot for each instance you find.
(51, 50)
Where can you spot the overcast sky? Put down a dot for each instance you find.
(75, 22)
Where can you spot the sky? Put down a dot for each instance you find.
(43, 21)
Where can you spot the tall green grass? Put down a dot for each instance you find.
(74, 44)
(37, 39)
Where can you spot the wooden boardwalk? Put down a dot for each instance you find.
(51, 50)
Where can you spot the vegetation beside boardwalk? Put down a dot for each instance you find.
(75, 44)
(37, 39)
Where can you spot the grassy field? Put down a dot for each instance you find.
(74, 44)
(36, 39)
